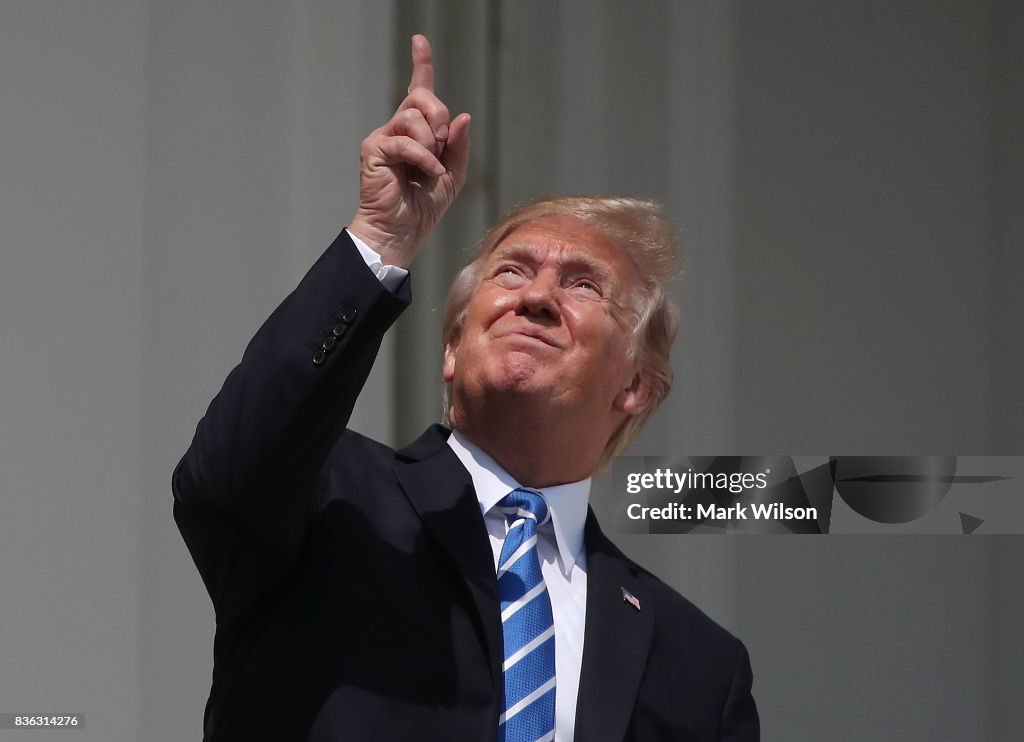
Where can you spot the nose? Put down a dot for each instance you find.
(538, 297)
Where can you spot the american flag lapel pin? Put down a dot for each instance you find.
(628, 597)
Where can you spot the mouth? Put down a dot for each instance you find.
(532, 334)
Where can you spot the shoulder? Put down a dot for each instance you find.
(360, 465)
(681, 629)
(676, 613)
(357, 451)
(698, 663)
(356, 456)
(352, 442)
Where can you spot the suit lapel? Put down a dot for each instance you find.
(618, 636)
(441, 491)
(616, 643)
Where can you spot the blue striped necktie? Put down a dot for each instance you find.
(527, 625)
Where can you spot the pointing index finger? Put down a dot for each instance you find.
(422, 64)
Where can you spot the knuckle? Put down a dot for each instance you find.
(428, 104)
(415, 97)
(415, 126)
(412, 119)
(440, 111)
(407, 146)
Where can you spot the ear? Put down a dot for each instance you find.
(635, 398)
(451, 348)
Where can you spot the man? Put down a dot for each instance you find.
(457, 589)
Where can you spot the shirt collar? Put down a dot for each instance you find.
(567, 502)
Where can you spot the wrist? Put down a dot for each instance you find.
(394, 247)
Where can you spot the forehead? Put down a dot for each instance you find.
(567, 240)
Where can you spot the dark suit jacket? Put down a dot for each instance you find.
(354, 585)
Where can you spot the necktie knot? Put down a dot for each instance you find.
(524, 503)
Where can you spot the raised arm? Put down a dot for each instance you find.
(244, 492)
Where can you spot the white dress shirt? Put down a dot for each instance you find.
(563, 560)
(390, 276)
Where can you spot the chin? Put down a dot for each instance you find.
(518, 371)
(513, 374)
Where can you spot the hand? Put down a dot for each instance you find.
(411, 169)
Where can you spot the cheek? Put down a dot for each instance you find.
(493, 303)
(594, 325)
(574, 315)
(612, 344)
(487, 304)
(470, 355)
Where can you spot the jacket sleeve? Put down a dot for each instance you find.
(244, 493)
(740, 722)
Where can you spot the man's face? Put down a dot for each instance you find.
(549, 320)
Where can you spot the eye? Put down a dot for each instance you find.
(587, 287)
(508, 275)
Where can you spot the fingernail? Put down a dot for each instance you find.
(439, 170)
(442, 132)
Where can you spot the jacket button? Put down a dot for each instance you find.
(339, 329)
(329, 342)
(319, 357)
(349, 316)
